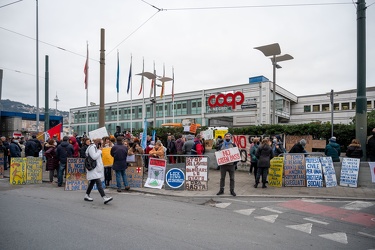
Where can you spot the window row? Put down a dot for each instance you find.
(336, 106)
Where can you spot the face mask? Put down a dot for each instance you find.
(227, 140)
(16, 141)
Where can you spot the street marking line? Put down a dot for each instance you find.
(245, 211)
(357, 205)
(366, 234)
(306, 228)
(229, 199)
(272, 210)
(222, 205)
(311, 200)
(269, 218)
(338, 237)
(316, 221)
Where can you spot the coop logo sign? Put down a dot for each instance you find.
(230, 99)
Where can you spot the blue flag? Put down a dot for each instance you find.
(153, 135)
(129, 78)
(144, 135)
(118, 74)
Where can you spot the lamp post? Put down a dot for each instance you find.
(151, 76)
(163, 80)
(273, 51)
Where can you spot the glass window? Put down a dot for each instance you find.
(325, 107)
(307, 108)
(353, 105)
(369, 104)
(344, 106)
(316, 108)
(336, 106)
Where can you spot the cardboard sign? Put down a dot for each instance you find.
(349, 172)
(372, 170)
(1, 165)
(34, 170)
(275, 175)
(314, 177)
(294, 170)
(135, 176)
(107, 157)
(196, 174)
(328, 171)
(17, 171)
(226, 156)
(156, 173)
(98, 133)
(75, 174)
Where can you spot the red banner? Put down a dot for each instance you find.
(55, 131)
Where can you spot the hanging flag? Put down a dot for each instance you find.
(86, 69)
(56, 130)
(153, 135)
(144, 135)
(172, 84)
(130, 77)
(152, 87)
(142, 80)
(118, 74)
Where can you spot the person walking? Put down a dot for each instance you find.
(52, 163)
(229, 167)
(264, 154)
(96, 175)
(119, 152)
(254, 159)
(333, 149)
(354, 150)
(64, 151)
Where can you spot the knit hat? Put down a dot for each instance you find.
(333, 139)
(303, 142)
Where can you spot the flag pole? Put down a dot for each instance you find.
(173, 93)
(87, 90)
(118, 85)
(162, 89)
(143, 92)
(131, 95)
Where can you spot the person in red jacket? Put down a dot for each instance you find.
(198, 147)
(73, 141)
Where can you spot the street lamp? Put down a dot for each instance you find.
(163, 80)
(273, 51)
(151, 76)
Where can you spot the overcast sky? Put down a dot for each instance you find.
(208, 47)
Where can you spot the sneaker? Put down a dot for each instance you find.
(127, 188)
(88, 198)
(107, 199)
(119, 190)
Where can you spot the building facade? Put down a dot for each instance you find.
(232, 106)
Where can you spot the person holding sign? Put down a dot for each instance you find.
(229, 167)
(96, 175)
(264, 155)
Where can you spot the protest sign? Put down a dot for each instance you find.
(75, 174)
(294, 170)
(226, 156)
(34, 170)
(328, 171)
(314, 177)
(275, 175)
(107, 157)
(349, 172)
(175, 177)
(17, 171)
(372, 170)
(156, 173)
(98, 133)
(196, 174)
(135, 176)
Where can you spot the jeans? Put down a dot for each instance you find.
(62, 167)
(98, 183)
(223, 171)
(262, 172)
(119, 174)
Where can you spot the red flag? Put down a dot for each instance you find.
(56, 130)
(86, 69)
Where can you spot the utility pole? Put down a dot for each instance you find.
(102, 79)
(361, 100)
(46, 98)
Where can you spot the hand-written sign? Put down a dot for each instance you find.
(196, 174)
(1, 165)
(275, 175)
(135, 176)
(17, 171)
(34, 170)
(226, 156)
(156, 173)
(75, 174)
(349, 172)
(314, 175)
(294, 170)
(328, 171)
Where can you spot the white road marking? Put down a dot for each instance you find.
(245, 211)
(366, 234)
(272, 210)
(338, 237)
(306, 228)
(268, 218)
(316, 221)
(311, 200)
(222, 205)
(357, 205)
(229, 199)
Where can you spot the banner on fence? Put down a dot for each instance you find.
(349, 172)
(196, 173)
(75, 174)
(175, 177)
(156, 173)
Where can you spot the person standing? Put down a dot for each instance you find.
(138, 151)
(96, 175)
(157, 151)
(254, 159)
(86, 144)
(119, 152)
(14, 148)
(371, 146)
(354, 150)
(229, 167)
(264, 155)
(63, 152)
(171, 149)
(299, 147)
(333, 149)
(188, 145)
(52, 163)
(179, 144)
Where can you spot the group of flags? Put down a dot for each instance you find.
(86, 72)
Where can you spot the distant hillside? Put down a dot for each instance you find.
(12, 106)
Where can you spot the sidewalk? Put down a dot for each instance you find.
(244, 187)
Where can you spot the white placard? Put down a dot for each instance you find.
(314, 177)
(227, 156)
(156, 173)
(349, 172)
(372, 169)
(98, 133)
(328, 171)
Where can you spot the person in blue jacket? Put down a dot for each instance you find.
(333, 149)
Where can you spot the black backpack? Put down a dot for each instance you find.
(90, 163)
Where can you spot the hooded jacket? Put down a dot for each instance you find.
(333, 149)
(354, 151)
(75, 146)
(64, 150)
(98, 172)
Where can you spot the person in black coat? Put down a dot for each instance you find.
(64, 151)
(119, 152)
(354, 150)
(15, 149)
(264, 154)
(299, 147)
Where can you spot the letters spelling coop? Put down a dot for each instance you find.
(229, 99)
